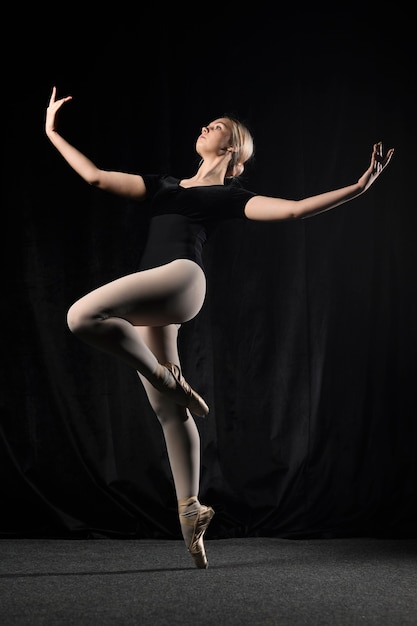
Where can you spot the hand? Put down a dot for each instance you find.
(377, 165)
(52, 111)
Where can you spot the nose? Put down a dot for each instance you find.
(204, 129)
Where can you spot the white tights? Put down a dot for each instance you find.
(137, 318)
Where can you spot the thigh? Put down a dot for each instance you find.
(170, 294)
(162, 341)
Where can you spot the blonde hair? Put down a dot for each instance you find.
(243, 146)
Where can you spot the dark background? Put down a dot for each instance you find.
(306, 347)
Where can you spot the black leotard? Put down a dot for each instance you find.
(183, 218)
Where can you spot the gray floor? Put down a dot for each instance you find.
(249, 582)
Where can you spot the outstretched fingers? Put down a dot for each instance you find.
(379, 160)
(60, 102)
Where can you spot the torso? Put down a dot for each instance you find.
(184, 215)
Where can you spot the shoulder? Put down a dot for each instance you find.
(237, 190)
(155, 182)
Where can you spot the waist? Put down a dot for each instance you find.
(173, 237)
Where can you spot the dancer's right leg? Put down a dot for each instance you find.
(108, 316)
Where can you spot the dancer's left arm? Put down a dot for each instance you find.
(266, 208)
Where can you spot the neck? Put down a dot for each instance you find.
(211, 172)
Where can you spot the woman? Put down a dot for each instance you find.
(137, 317)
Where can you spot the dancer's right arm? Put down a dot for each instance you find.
(120, 183)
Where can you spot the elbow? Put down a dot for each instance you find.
(94, 179)
(294, 212)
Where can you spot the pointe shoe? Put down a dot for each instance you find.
(200, 521)
(189, 397)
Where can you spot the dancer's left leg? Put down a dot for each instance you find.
(183, 445)
(179, 428)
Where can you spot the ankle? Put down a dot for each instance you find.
(188, 506)
(163, 378)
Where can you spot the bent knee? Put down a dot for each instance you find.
(79, 321)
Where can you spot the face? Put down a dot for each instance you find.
(215, 138)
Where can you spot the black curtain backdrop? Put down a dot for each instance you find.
(306, 347)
